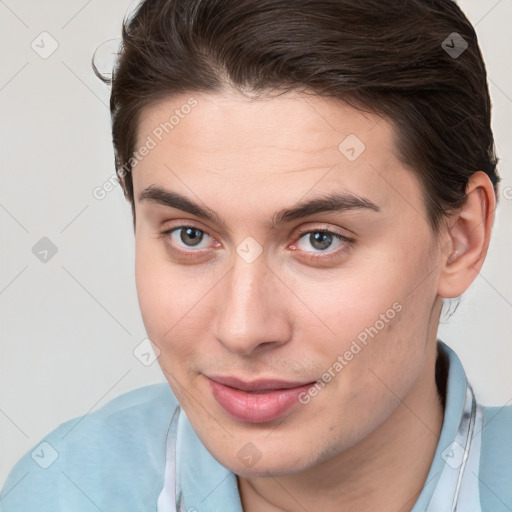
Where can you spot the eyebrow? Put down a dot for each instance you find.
(336, 202)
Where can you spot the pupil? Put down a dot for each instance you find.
(191, 236)
(320, 240)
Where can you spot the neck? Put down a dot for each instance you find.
(386, 471)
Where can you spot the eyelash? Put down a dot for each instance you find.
(323, 256)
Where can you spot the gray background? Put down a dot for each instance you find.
(70, 324)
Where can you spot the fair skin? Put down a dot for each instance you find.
(368, 438)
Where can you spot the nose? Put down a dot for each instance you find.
(251, 310)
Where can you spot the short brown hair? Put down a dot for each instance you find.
(382, 57)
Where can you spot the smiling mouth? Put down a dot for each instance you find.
(256, 402)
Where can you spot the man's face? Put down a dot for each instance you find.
(346, 298)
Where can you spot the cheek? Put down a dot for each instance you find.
(156, 290)
(346, 305)
(375, 315)
(172, 300)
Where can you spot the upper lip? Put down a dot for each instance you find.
(257, 385)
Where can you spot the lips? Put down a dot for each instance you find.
(258, 401)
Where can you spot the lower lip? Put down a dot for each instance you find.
(256, 407)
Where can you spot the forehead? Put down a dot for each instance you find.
(287, 146)
(296, 122)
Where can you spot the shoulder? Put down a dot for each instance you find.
(496, 459)
(497, 428)
(112, 458)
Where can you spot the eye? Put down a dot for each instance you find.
(321, 241)
(186, 237)
(325, 244)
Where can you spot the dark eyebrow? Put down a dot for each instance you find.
(335, 202)
(165, 197)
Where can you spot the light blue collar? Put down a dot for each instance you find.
(205, 484)
(452, 482)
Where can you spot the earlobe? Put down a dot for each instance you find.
(467, 238)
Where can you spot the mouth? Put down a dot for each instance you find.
(258, 401)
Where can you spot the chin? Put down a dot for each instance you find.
(265, 462)
(265, 469)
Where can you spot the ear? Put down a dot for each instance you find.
(467, 237)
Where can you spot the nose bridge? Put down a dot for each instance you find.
(249, 313)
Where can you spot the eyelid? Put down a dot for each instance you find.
(324, 229)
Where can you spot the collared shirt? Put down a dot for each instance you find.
(114, 459)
